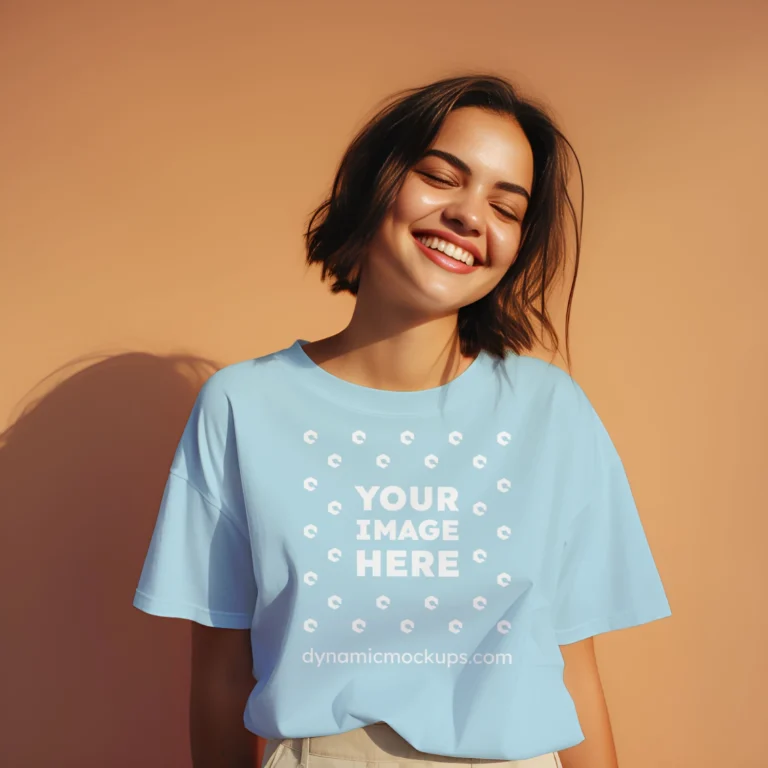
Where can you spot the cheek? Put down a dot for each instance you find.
(414, 202)
(503, 244)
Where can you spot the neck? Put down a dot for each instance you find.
(389, 347)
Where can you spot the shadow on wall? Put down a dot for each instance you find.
(88, 680)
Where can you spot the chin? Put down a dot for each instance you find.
(442, 292)
(437, 299)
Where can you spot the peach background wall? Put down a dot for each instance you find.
(158, 161)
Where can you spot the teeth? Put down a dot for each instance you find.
(449, 249)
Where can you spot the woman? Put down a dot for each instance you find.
(409, 532)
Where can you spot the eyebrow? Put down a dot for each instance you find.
(462, 166)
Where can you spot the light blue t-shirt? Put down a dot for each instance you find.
(414, 558)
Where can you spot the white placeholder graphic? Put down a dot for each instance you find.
(419, 496)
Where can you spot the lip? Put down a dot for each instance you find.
(446, 262)
(450, 237)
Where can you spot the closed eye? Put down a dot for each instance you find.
(506, 214)
(435, 178)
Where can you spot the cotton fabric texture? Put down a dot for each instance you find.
(413, 558)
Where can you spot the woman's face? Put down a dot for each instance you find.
(470, 190)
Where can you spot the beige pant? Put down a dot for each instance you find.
(374, 746)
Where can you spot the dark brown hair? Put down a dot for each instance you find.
(374, 167)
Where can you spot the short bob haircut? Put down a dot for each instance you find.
(371, 174)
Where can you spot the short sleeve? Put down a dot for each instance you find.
(608, 579)
(199, 564)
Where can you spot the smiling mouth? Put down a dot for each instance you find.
(449, 249)
(446, 255)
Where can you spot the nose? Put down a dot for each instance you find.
(465, 211)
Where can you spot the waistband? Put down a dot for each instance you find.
(376, 742)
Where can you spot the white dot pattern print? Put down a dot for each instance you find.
(416, 499)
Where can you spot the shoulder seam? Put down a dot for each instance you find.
(224, 513)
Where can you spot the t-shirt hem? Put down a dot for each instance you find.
(609, 624)
(222, 619)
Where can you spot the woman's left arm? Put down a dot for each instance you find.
(582, 680)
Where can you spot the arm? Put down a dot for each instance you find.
(222, 679)
(582, 680)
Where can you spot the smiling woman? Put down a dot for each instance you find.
(477, 167)
(413, 493)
